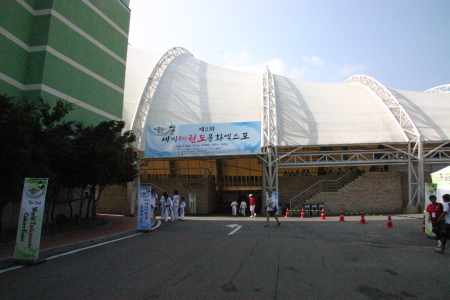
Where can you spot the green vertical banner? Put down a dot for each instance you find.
(30, 219)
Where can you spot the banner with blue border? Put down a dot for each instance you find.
(203, 139)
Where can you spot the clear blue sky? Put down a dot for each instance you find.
(404, 44)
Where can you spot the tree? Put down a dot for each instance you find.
(38, 141)
(17, 123)
(104, 156)
(33, 141)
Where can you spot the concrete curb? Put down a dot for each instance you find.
(46, 253)
(43, 254)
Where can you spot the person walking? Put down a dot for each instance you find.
(162, 203)
(176, 203)
(168, 206)
(243, 207)
(444, 216)
(271, 208)
(182, 206)
(434, 210)
(252, 201)
(234, 205)
(153, 198)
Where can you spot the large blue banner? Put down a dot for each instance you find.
(203, 139)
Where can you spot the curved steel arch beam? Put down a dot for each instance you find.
(150, 87)
(439, 89)
(410, 131)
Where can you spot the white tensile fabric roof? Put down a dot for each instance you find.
(430, 113)
(191, 91)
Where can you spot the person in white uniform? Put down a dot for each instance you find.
(153, 199)
(243, 207)
(234, 205)
(176, 203)
(182, 206)
(168, 206)
(162, 203)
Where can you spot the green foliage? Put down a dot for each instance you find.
(19, 128)
(38, 142)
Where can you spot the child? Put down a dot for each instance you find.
(182, 206)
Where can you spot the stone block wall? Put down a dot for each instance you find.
(371, 192)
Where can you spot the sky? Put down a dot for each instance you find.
(403, 44)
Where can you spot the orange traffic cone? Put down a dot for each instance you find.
(363, 220)
(389, 222)
(322, 216)
(423, 226)
(287, 213)
(302, 215)
(342, 217)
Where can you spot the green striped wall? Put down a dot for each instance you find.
(39, 65)
(68, 80)
(81, 114)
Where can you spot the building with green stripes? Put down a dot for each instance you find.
(70, 50)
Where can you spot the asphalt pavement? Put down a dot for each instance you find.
(225, 257)
(119, 226)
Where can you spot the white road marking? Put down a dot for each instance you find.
(235, 229)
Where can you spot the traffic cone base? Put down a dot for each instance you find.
(363, 220)
(423, 227)
(389, 222)
(302, 215)
(287, 213)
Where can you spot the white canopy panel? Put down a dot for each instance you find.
(191, 91)
(313, 113)
(194, 92)
(430, 113)
(140, 64)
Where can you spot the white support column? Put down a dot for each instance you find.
(269, 135)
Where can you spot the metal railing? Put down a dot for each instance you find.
(325, 186)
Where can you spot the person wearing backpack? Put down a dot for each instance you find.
(271, 208)
(446, 226)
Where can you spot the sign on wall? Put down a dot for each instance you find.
(203, 139)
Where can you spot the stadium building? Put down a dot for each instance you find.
(352, 146)
(70, 50)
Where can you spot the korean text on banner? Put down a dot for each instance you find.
(145, 209)
(30, 219)
(203, 139)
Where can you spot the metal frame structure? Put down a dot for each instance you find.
(269, 135)
(150, 87)
(439, 89)
(411, 153)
